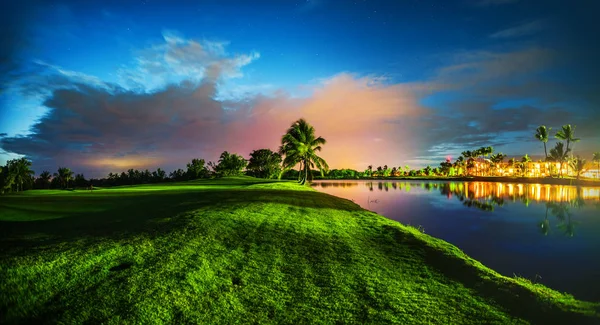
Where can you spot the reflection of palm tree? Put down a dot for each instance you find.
(562, 213)
(545, 225)
(568, 228)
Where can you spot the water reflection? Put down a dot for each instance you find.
(486, 196)
(486, 190)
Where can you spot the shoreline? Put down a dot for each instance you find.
(499, 179)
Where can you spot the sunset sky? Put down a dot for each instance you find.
(103, 86)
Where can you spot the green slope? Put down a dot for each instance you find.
(241, 250)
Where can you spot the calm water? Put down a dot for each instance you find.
(546, 233)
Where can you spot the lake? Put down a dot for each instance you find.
(546, 233)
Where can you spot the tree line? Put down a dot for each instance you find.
(299, 148)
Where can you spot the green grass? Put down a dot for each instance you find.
(245, 251)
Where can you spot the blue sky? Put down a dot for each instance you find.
(441, 72)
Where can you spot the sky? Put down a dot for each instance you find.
(104, 86)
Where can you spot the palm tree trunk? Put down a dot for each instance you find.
(545, 151)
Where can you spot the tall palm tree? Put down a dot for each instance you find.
(469, 156)
(21, 171)
(541, 133)
(44, 178)
(559, 155)
(370, 168)
(300, 146)
(596, 158)
(524, 163)
(64, 175)
(567, 133)
(578, 165)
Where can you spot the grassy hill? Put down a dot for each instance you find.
(242, 250)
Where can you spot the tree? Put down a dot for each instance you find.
(469, 156)
(524, 163)
(559, 155)
(578, 165)
(497, 159)
(6, 179)
(300, 146)
(596, 158)
(427, 170)
(177, 175)
(445, 167)
(230, 164)
(541, 133)
(370, 169)
(64, 176)
(196, 169)
(80, 181)
(567, 133)
(159, 175)
(21, 172)
(44, 179)
(264, 163)
(379, 171)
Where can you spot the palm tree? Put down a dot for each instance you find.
(596, 158)
(497, 159)
(299, 145)
(567, 133)
(469, 158)
(64, 175)
(541, 133)
(44, 178)
(21, 171)
(524, 163)
(578, 165)
(370, 168)
(559, 155)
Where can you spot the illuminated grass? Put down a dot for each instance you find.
(240, 250)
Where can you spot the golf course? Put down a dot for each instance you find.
(242, 250)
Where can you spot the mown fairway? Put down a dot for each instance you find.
(245, 251)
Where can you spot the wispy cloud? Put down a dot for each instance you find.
(178, 59)
(520, 30)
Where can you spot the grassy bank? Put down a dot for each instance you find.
(241, 250)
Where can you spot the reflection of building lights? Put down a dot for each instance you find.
(535, 192)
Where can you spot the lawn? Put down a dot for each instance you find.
(245, 251)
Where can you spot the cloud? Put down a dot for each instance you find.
(487, 3)
(520, 30)
(98, 130)
(470, 88)
(178, 59)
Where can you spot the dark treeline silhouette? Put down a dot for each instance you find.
(299, 146)
(17, 175)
